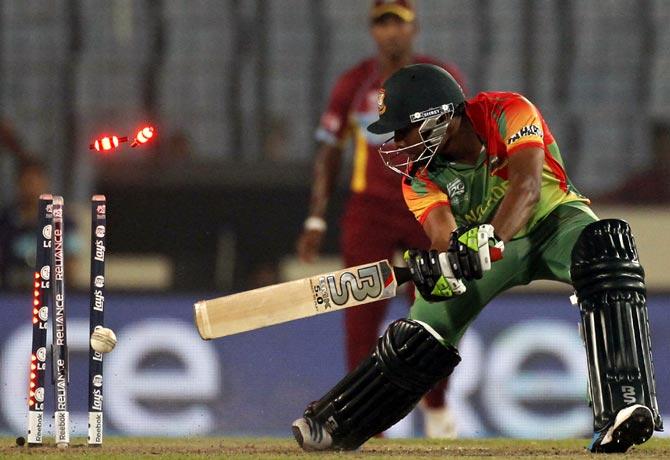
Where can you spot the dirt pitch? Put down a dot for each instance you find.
(283, 448)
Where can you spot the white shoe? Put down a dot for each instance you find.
(439, 423)
(632, 425)
(311, 435)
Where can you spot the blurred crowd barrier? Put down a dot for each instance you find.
(245, 81)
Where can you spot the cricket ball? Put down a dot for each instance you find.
(103, 340)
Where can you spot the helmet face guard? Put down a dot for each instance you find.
(432, 130)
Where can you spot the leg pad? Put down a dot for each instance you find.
(406, 363)
(609, 283)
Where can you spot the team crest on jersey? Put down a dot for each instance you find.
(381, 105)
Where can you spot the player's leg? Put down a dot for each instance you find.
(452, 317)
(609, 284)
(610, 288)
(407, 361)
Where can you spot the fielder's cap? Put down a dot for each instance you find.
(413, 93)
(404, 9)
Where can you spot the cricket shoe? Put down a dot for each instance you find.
(632, 425)
(311, 435)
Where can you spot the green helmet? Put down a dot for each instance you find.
(414, 93)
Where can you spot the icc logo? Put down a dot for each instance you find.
(100, 231)
(99, 281)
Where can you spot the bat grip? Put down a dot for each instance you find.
(402, 275)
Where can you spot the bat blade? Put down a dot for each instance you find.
(279, 303)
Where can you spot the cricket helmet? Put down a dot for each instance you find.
(418, 93)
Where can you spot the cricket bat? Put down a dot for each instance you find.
(279, 303)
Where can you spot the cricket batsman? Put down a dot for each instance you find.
(375, 201)
(485, 178)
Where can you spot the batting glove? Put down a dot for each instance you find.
(472, 249)
(432, 275)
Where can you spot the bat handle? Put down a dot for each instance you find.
(402, 275)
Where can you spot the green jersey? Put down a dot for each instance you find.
(506, 123)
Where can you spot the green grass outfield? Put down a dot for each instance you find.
(284, 448)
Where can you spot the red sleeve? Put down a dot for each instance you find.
(522, 125)
(334, 123)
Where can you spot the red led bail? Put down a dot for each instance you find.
(143, 136)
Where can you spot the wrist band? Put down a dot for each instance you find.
(315, 223)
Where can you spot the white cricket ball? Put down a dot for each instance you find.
(103, 340)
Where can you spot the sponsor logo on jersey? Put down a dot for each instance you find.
(381, 105)
(530, 130)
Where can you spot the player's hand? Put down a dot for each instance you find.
(432, 275)
(472, 249)
(309, 245)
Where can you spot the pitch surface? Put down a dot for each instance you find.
(284, 448)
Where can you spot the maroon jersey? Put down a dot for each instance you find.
(351, 108)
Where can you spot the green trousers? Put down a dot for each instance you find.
(545, 253)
